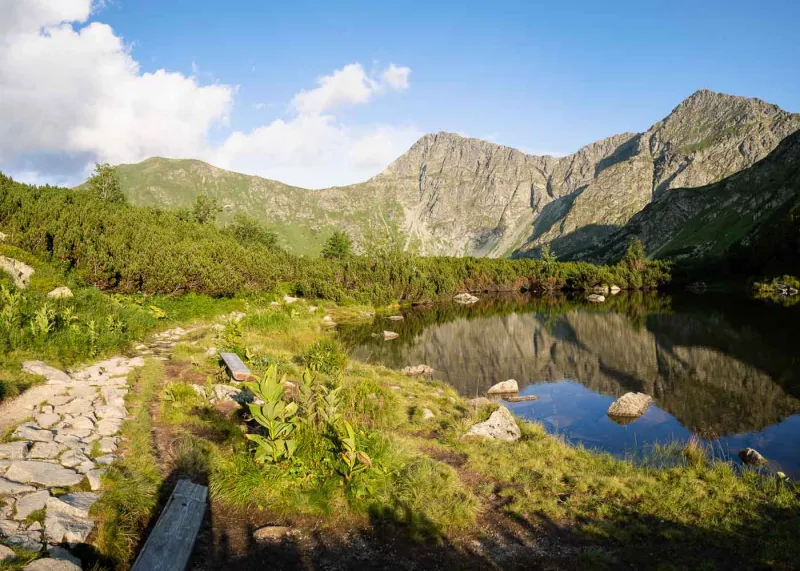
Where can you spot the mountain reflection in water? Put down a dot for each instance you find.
(720, 367)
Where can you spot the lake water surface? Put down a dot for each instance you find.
(721, 367)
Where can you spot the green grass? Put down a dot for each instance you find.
(131, 485)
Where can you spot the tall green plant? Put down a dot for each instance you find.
(276, 416)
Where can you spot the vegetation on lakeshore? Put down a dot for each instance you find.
(126, 249)
(678, 504)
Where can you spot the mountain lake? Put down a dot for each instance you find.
(722, 368)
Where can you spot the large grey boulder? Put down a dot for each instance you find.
(499, 426)
(42, 473)
(504, 387)
(630, 405)
(53, 375)
(20, 272)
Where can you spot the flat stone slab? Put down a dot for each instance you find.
(31, 431)
(15, 450)
(30, 503)
(44, 450)
(46, 420)
(52, 564)
(61, 526)
(7, 554)
(109, 426)
(72, 458)
(77, 504)
(30, 540)
(41, 369)
(105, 411)
(42, 473)
(95, 479)
(79, 405)
(8, 488)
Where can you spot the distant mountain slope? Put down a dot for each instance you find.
(706, 222)
(457, 196)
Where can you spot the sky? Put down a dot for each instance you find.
(329, 93)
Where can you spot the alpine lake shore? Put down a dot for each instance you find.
(369, 467)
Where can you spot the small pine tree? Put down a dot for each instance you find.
(635, 257)
(206, 209)
(338, 247)
(105, 183)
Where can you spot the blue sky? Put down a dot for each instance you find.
(546, 77)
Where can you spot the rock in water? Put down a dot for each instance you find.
(600, 289)
(615, 290)
(395, 318)
(499, 426)
(418, 371)
(752, 457)
(465, 298)
(596, 298)
(387, 335)
(62, 292)
(630, 405)
(505, 387)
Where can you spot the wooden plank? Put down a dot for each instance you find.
(171, 542)
(236, 369)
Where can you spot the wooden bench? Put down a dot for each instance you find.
(171, 542)
(236, 369)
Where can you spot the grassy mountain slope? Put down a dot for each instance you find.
(455, 196)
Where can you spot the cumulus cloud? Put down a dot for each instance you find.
(73, 94)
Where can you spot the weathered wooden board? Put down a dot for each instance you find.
(236, 369)
(171, 542)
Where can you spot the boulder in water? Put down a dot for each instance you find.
(630, 405)
(751, 457)
(600, 289)
(615, 290)
(505, 387)
(596, 298)
(387, 335)
(465, 298)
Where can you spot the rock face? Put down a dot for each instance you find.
(20, 272)
(630, 405)
(504, 387)
(499, 426)
(458, 196)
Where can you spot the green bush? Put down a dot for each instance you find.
(326, 356)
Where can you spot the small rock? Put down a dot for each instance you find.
(499, 426)
(30, 503)
(107, 445)
(223, 393)
(504, 387)
(387, 335)
(7, 554)
(47, 409)
(106, 460)
(465, 298)
(62, 292)
(59, 553)
(752, 457)
(95, 479)
(288, 299)
(59, 527)
(109, 426)
(72, 458)
(630, 405)
(596, 298)
(30, 540)
(600, 289)
(524, 398)
(45, 450)
(46, 420)
(271, 533)
(52, 564)
(615, 290)
(31, 431)
(104, 411)
(20, 272)
(77, 504)
(427, 414)
(15, 450)
(418, 371)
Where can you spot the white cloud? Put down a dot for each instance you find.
(73, 94)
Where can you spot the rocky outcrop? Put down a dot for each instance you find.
(499, 426)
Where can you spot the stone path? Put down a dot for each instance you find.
(72, 437)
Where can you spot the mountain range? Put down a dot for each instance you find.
(706, 177)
